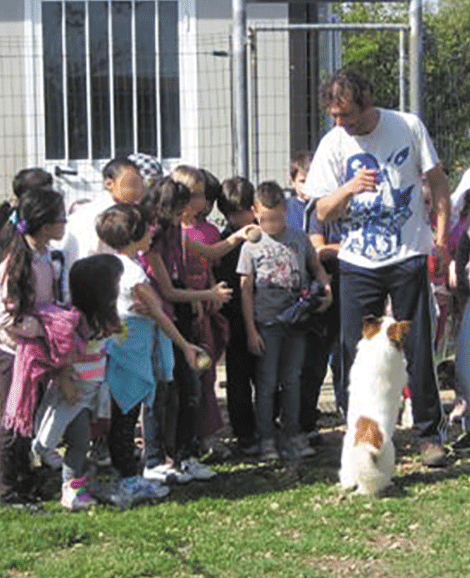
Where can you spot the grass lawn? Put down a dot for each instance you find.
(282, 521)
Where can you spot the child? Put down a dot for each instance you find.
(273, 272)
(130, 374)
(94, 283)
(30, 179)
(326, 238)
(27, 285)
(123, 182)
(298, 201)
(209, 328)
(166, 202)
(235, 203)
(165, 267)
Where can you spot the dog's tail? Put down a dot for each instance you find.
(368, 444)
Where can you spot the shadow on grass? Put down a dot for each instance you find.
(239, 478)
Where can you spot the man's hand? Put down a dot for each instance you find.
(365, 180)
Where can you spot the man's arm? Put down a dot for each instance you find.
(333, 205)
(440, 194)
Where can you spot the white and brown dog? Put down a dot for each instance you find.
(376, 382)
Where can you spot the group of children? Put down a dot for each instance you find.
(154, 295)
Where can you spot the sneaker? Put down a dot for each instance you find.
(462, 444)
(48, 456)
(75, 496)
(198, 471)
(289, 450)
(99, 453)
(268, 450)
(433, 454)
(314, 437)
(127, 492)
(248, 447)
(301, 444)
(167, 474)
(459, 410)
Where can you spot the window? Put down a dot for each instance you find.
(111, 78)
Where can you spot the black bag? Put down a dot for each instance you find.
(301, 315)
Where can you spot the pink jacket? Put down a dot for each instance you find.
(37, 360)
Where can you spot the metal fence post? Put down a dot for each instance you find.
(416, 57)
(240, 85)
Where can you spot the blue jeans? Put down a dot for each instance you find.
(363, 292)
(281, 363)
(463, 361)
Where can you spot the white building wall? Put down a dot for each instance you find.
(214, 26)
(12, 99)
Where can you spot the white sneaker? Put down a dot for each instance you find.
(167, 474)
(49, 456)
(197, 470)
(75, 495)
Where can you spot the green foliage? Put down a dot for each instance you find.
(447, 67)
(374, 53)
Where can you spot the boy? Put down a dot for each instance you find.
(298, 201)
(235, 203)
(273, 272)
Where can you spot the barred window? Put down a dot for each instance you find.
(111, 78)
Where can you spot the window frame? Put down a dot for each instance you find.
(35, 102)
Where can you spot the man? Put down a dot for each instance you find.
(367, 173)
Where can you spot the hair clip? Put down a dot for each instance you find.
(13, 218)
(22, 226)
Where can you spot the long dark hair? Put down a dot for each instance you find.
(36, 207)
(94, 290)
(164, 199)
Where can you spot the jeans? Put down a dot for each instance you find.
(281, 363)
(240, 369)
(363, 292)
(463, 361)
(77, 438)
(154, 427)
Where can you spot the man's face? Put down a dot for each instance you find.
(350, 116)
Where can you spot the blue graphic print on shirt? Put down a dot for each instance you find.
(373, 223)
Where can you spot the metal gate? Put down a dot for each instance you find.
(286, 66)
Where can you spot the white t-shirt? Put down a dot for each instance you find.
(133, 275)
(391, 224)
(81, 239)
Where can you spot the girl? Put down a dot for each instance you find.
(209, 327)
(94, 283)
(26, 286)
(165, 202)
(164, 266)
(130, 373)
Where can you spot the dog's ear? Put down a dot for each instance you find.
(371, 326)
(397, 333)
